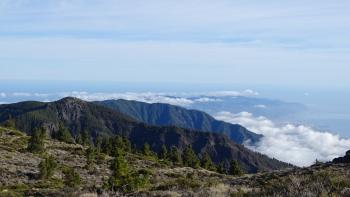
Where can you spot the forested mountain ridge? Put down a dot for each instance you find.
(80, 116)
(161, 114)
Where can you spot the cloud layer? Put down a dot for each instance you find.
(296, 144)
(219, 41)
(181, 99)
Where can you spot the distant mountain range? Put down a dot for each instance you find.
(160, 114)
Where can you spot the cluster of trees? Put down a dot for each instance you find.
(124, 177)
(63, 134)
(48, 165)
(187, 157)
(190, 159)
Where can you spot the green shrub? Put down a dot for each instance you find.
(189, 182)
(90, 158)
(36, 143)
(175, 155)
(47, 167)
(207, 163)
(189, 158)
(72, 178)
(125, 179)
(238, 193)
(146, 150)
(163, 153)
(10, 123)
(235, 169)
(63, 135)
(340, 182)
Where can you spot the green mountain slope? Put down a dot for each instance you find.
(169, 115)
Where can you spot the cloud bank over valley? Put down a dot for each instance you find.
(297, 144)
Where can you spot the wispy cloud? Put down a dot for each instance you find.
(296, 144)
(221, 41)
(260, 106)
(247, 92)
(256, 22)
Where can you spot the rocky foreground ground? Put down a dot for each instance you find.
(19, 175)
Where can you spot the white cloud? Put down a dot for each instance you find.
(21, 94)
(3, 95)
(206, 100)
(296, 144)
(247, 92)
(41, 95)
(260, 106)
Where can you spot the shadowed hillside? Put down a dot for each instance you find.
(169, 115)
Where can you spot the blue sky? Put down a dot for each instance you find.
(301, 42)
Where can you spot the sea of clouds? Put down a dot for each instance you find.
(296, 144)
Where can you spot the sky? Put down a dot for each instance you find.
(291, 43)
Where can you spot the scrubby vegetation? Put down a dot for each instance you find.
(62, 169)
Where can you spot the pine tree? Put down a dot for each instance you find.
(189, 158)
(98, 144)
(36, 143)
(10, 123)
(120, 170)
(221, 168)
(235, 169)
(107, 146)
(118, 144)
(127, 145)
(207, 163)
(79, 139)
(64, 135)
(163, 153)
(125, 178)
(85, 138)
(72, 178)
(47, 167)
(175, 156)
(146, 150)
(90, 158)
